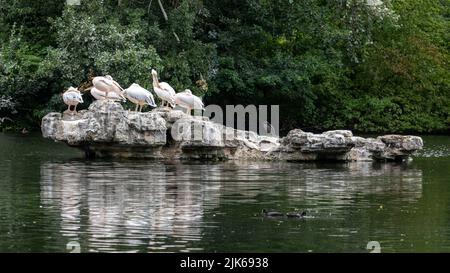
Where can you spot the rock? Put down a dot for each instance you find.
(194, 132)
(329, 142)
(141, 129)
(344, 133)
(301, 146)
(50, 125)
(398, 147)
(267, 143)
(359, 154)
(404, 143)
(364, 149)
(175, 115)
(341, 145)
(105, 129)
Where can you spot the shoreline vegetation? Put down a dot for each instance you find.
(368, 66)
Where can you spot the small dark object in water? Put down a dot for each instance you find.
(296, 214)
(272, 213)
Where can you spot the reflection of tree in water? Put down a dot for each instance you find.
(128, 203)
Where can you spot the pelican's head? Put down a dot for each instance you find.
(73, 89)
(154, 73)
(109, 77)
(188, 91)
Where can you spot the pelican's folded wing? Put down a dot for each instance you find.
(167, 87)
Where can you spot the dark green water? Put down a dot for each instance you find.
(50, 196)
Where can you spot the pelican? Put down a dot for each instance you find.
(107, 84)
(100, 95)
(139, 96)
(72, 97)
(163, 90)
(189, 101)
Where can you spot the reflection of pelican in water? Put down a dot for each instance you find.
(132, 212)
(67, 196)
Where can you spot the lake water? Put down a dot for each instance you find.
(51, 198)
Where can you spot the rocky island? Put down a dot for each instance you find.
(106, 129)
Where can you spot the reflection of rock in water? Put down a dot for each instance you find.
(128, 203)
(331, 182)
(342, 183)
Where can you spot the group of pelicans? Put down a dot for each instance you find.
(106, 88)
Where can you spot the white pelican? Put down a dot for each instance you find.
(107, 84)
(100, 95)
(163, 90)
(72, 97)
(139, 96)
(189, 101)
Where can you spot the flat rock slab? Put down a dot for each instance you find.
(105, 129)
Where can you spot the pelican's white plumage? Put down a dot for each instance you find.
(165, 86)
(139, 96)
(100, 95)
(107, 84)
(72, 97)
(189, 101)
(163, 90)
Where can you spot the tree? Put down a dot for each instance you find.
(366, 65)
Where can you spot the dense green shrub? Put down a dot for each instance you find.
(370, 66)
(20, 81)
(101, 45)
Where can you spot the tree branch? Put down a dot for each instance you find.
(162, 10)
(167, 18)
(176, 37)
(149, 5)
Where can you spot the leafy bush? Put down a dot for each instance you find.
(368, 65)
(100, 45)
(20, 82)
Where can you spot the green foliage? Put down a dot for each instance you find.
(188, 61)
(407, 66)
(279, 53)
(99, 44)
(20, 80)
(382, 67)
(32, 17)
